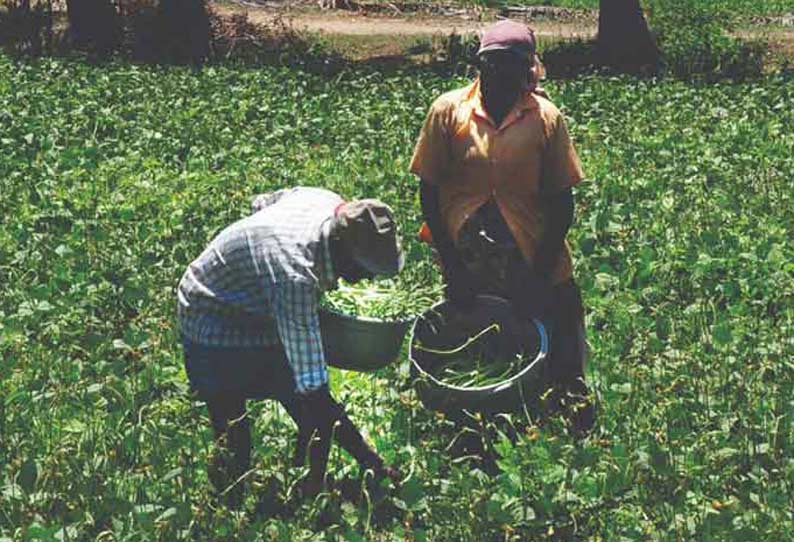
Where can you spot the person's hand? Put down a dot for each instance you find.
(318, 412)
(374, 478)
(310, 486)
(460, 288)
(389, 472)
(379, 470)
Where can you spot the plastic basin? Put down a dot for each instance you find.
(357, 343)
(520, 391)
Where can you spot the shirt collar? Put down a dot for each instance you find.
(525, 103)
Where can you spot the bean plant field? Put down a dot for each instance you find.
(113, 177)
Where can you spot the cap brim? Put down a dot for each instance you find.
(512, 48)
(394, 266)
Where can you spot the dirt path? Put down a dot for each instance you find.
(389, 28)
(367, 25)
(363, 23)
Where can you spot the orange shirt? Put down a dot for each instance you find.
(471, 160)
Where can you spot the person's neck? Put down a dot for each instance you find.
(498, 105)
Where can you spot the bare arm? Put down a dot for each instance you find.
(431, 211)
(559, 211)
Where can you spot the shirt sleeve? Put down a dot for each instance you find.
(298, 324)
(432, 154)
(260, 201)
(561, 166)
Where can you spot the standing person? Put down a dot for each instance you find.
(497, 166)
(248, 315)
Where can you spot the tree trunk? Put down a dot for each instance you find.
(92, 23)
(26, 28)
(185, 27)
(624, 40)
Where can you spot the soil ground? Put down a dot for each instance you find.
(367, 30)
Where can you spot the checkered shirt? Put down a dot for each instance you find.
(258, 282)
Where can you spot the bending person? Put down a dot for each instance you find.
(248, 315)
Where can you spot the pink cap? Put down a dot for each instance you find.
(507, 36)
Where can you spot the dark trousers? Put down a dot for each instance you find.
(500, 269)
(492, 256)
(225, 378)
(567, 391)
(568, 341)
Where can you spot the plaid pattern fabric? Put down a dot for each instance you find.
(258, 282)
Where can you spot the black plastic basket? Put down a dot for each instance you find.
(443, 323)
(358, 343)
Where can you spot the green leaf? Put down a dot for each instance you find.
(173, 473)
(28, 475)
(94, 388)
(623, 389)
(119, 344)
(725, 453)
(721, 334)
(63, 250)
(74, 426)
(411, 492)
(167, 514)
(496, 511)
(44, 306)
(776, 257)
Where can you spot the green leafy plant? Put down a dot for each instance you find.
(113, 178)
(695, 40)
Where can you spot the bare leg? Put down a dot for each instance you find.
(291, 405)
(314, 439)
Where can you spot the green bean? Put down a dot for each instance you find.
(476, 373)
(388, 299)
(461, 367)
(461, 348)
